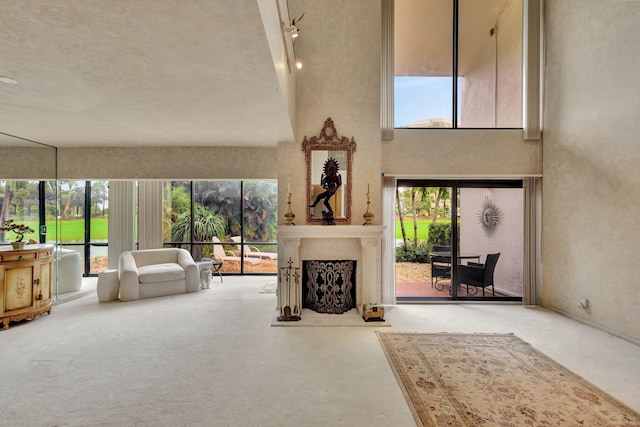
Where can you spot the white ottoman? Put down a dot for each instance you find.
(205, 273)
(108, 285)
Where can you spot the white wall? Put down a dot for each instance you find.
(591, 195)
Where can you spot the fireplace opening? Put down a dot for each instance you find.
(329, 286)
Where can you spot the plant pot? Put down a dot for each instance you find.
(18, 245)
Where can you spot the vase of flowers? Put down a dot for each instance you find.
(19, 230)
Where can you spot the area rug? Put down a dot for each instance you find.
(494, 380)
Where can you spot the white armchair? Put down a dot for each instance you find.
(156, 272)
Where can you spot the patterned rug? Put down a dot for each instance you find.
(494, 380)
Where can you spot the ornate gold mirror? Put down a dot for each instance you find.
(328, 160)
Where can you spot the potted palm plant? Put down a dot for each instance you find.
(19, 230)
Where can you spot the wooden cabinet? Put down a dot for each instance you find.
(25, 283)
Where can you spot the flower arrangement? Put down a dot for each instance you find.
(19, 229)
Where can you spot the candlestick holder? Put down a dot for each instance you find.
(289, 216)
(368, 216)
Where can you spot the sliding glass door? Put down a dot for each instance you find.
(482, 220)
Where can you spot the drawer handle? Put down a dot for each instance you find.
(19, 257)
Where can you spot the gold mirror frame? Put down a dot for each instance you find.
(329, 141)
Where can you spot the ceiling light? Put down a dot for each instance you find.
(292, 30)
(8, 80)
(298, 65)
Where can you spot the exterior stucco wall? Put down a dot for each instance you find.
(506, 239)
(491, 86)
(591, 196)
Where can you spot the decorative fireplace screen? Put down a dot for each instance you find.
(329, 286)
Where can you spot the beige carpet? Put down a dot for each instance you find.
(494, 380)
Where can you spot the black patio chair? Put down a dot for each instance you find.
(440, 248)
(479, 275)
(440, 270)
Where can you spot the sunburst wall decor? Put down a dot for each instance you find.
(488, 216)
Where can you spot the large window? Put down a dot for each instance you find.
(232, 221)
(458, 64)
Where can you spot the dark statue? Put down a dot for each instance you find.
(330, 181)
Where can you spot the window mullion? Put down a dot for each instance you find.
(454, 85)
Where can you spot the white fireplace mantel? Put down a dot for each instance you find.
(309, 242)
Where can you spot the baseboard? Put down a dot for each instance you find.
(598, 326)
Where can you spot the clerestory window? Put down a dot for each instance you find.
(458, 63)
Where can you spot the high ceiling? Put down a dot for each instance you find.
(143, 73)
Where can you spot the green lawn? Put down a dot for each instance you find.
(423, 228)
(71, 230)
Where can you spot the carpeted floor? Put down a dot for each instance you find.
(212, 358)
(494, 379)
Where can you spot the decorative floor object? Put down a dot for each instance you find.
(312, 318)
(494, 380)
(269, 288)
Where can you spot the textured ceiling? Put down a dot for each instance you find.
(143, 73)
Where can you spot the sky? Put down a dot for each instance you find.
(421, 98)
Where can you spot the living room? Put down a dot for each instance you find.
(586, 158)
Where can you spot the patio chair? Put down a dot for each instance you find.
(222, 255)
(479, 275)
(254, 251)
(440, 248)
(440, 270)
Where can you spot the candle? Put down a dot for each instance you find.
(368, 189)
(288, 188)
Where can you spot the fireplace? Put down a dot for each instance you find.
(362, 244)
(329, 286)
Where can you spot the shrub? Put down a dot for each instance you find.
(418, 253)
(440, 234)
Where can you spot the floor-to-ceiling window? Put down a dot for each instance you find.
(483, 221)
(229, 220)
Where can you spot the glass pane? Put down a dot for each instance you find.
(176, 199)
(217, 214)
(260, 211)
(99, 258)
(490, 64)
(491, 222)
(423, 226)
(99, 211)
(423, 63)
(19, 201)
(71, 224)
(99, 227)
